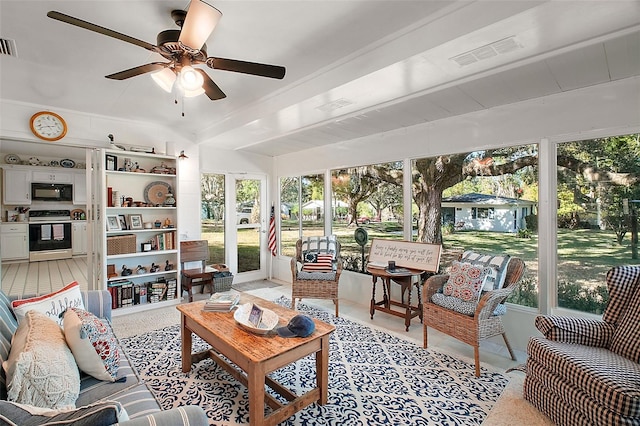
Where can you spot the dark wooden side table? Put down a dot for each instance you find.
(404, 279)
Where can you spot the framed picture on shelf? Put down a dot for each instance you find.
(112, 162)
(135, 221)
(113, 222)
(123, 222)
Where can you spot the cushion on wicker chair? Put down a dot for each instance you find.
(465, 281)
(498, 264)
(329, 276)
(324, 244)
(315, 252)
(318, 262)
(460, 306)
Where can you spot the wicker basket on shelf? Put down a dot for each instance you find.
(121, 244)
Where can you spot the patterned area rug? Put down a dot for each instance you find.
(375, 378)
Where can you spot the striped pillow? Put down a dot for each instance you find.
(107, 412)
(318, 262)
(498, 264)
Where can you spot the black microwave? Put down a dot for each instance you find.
(52, 191)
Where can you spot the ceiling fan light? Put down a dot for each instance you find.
(190, 79)
(165, 79)
(201, 19)
(193, 93)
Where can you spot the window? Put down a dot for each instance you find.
(448, 194)
(368, 197)
(301, 210)
(312, 199)
(598, 195)
(482, 213)
(289, 215)
(212, 214)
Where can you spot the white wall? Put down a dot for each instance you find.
(603, 110)
(90, 131)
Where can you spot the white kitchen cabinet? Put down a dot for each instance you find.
(14, 241)
(80, 188)
(52, 177)
(79, 237)
(16, 186)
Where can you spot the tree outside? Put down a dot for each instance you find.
(597, 190)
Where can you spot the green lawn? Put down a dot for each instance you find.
(584, 255)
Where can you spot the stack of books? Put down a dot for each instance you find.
(222, 302)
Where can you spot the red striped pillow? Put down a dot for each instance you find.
(323, 263)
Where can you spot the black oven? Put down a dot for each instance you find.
(49, 236)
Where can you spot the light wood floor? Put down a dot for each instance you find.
(28, 278)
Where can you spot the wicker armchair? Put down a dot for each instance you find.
(315, 288)
(471, 329)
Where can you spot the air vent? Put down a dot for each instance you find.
(8, 47)
(491, 50)
(334, 105)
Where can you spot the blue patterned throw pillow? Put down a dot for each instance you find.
(92, 343)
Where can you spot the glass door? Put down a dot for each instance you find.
(248, 227)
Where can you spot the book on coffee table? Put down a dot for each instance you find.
(223, 301)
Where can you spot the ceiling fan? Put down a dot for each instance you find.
(183, 49)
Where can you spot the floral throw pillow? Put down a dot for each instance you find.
(465, 281)
(92, 343)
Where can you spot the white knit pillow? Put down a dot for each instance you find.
(41, 370)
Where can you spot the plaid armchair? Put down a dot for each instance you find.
(587, 371)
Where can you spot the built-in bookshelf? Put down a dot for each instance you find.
(139, 217)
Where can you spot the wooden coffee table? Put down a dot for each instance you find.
(257, 356)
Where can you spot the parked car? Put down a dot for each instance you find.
(243, 217)
(365, 220)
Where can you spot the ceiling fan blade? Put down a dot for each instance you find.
(201, 19)
(142, 69)
(254, 68)
(102, 30)
(210, 88)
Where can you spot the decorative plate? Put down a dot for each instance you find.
(67, 163)
(54, 163)
(267, 323)
(12, 159)
(156, 192)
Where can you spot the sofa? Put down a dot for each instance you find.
(126, 390)
(587, 371)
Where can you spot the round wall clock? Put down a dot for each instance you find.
(48, 126)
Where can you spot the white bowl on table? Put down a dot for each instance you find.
(268, 322)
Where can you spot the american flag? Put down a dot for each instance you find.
(272, 233)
